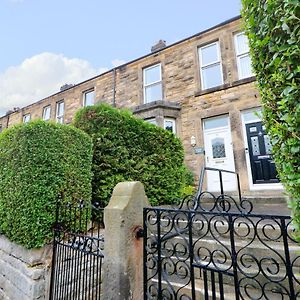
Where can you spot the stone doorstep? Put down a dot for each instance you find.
(261, 200)
(229, 293)
(256, 249)
(179, 277)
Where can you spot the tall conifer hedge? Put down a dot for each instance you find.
(38, 162)
(273, 28)
(127, 148)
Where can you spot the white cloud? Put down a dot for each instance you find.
(40, 76)
(117, 62)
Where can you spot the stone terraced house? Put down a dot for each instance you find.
(202, 88)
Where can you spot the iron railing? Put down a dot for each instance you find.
(255, 255)
(214, 247)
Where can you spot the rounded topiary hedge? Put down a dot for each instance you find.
(273, 28)
(38, 162)
(127, 148)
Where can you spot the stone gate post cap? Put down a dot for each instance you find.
(125, 192)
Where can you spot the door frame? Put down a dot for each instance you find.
(252, 186)
(216, 130)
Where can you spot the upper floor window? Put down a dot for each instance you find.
(243, 56)
(26, 118)
(60, 112)
(47, 113)
(170, 125)
(210, 66)
(89, 98)
(152, 83)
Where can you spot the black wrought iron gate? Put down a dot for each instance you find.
(77, 252)
(214, 248)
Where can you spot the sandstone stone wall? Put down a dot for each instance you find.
(181, 84)
(24, 274)
(180, 78)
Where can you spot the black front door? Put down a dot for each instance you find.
(260, 152)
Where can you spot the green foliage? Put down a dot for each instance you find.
(273, 28)
(39, 161)
(127, 148)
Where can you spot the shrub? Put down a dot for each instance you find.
(39, 161)
(127, 148)
(273, 28)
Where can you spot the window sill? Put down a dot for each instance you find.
(225, 86)
(243, 81)
(212, 90)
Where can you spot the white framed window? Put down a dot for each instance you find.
(243, 59)
(170, 125)
(47, 113)
(89, 98)
(210, 66)
(152, 82)
(26, 118)
(60, 111)
(151, 121)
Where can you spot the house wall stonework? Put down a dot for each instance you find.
(181, 85)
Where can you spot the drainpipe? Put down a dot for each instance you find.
(7, 120)
(114, 88)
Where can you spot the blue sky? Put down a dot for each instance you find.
(47, 43)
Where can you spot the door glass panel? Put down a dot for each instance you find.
(218, 148)
(268, 145)
(255, 145)
(253, 129)
(216, 122)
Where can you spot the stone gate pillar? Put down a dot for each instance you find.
(123, 261)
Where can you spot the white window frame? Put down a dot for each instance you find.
(84, 97)
(26, 118)
(145, 86)
(215, 63)
(151, 121)
(44, 112)
(173, 121)
(60, 118)
(241, 55)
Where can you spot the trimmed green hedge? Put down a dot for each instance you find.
(39, 161)
(127, 148)
(273, 28)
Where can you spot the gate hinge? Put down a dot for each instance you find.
(139, 233)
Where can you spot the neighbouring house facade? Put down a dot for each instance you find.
(201, 88)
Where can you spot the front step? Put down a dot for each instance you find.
(175, 291)
(272, 205)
